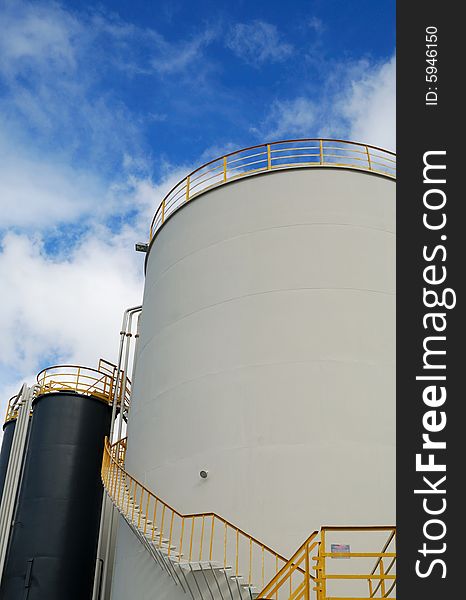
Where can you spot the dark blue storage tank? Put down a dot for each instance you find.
(53, 543)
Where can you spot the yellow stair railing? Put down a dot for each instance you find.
(294, 580)
(356, 578)
(313, 572)
(192, 537)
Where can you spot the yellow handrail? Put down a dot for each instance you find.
(341, 580)
(99, 383)
(210, 538)
(11, 410)
(355, 578)
(283, 580)
(285, 154)
(200, 537)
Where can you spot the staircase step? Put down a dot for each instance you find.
(165, 549)
(200, 565)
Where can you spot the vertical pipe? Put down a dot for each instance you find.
(99, 590)
(15, 464)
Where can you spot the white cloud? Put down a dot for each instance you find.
(69, 305)
(258, 42)
(289, 118)
(370, 106)
(175, 58)
(315, 24)
(37, 35)
(37, 192)
(357, 103)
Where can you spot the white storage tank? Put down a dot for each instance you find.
(266, 355)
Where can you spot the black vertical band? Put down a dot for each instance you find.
(431, 357)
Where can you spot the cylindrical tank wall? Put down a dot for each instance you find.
(266, 355)
(54, 537)
(8, 432)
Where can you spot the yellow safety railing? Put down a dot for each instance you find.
(295, 580)
(11, 410)
(198, 537)
(357, 577)
(356, 571)
(288, 154)
(313, 572)
(123, 395)
(99, 383)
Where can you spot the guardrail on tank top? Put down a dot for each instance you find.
(11, 410)
(99, 382)
(288, 154)
(209, 538)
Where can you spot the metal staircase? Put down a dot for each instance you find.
(212, 559)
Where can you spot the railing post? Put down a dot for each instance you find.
(382, 578)
(276, 571)
(224, 168)
(171, 533)
(162, 525)
(269, 158)
(141, 496)
(146, 513)
(202, 537)
(191, 540)
(323, 586)
(321, 152)
(225, 547)
(368, 158)
(237, 552)
(180, 549)
(250, 561)
(188, 182)
(154, 519)
(211, 537)
(307, 573)
(163, 210)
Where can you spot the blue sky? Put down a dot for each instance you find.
(104, 106)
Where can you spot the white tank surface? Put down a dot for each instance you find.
(266, 355)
